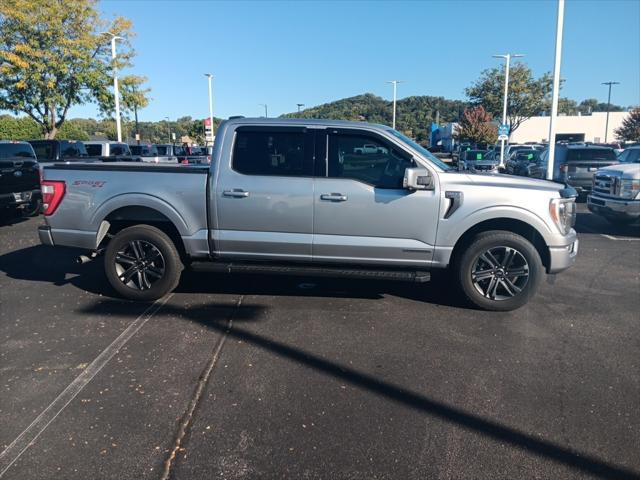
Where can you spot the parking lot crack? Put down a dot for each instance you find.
(187, 418)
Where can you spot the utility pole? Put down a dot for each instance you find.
(395, 89)
(116, 92)
(299, 105)
(606, 128)
(556, 90)
(135, 112)
(507, 66)
(266, 113)
(210, 77)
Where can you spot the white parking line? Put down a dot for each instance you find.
(611, 237)
(49, 414)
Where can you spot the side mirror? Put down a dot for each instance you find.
(417, 179)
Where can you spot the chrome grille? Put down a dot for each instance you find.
(604, 184)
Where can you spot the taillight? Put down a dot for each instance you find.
(208, 158)
(52, 194)
(184, 162)
(564, 168)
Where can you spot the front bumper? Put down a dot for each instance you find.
(18, 199)
(563, 256)
(608, 207)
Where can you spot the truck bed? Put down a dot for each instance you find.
(95, 191)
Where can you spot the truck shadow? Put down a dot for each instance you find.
(57, 266)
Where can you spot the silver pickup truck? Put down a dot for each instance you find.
(292, 197)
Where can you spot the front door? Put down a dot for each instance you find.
(264, 201)
(362, 215)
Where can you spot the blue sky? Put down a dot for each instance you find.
(311, 52)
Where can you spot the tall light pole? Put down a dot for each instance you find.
(169, 126)
(395, 90)
(556, 90)
(299, 105)
(116, 92)
(606, 128)
(266, 113)
(210, 77)
(507, 66)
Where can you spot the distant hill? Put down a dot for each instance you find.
(413, 116)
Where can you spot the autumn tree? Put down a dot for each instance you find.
(476, 127)
(527, 95)
(54, 55)
(629, 131)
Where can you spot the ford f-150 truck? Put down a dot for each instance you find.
(291, 196)
(616, 190)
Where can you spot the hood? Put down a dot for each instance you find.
(506, 181)
(628, 170)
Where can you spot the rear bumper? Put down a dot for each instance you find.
(563, 256)
(608, 207)
(44, 232)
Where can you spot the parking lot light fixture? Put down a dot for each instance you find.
(210, 79)
(507, 66)
(168, 126)
(299, 106)
(556, 91)
(606, 127)
(116, 92)
(395, 89)
(266, 112)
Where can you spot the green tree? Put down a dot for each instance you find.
(476, 127)
(629, 131)
(527, 95)
(53, 55)
(18, 128)
(591, 105)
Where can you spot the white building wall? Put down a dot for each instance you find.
(536, 129)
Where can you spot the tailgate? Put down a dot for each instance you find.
(18, 175)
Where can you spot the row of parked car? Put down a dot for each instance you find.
(608, 177)
(21, 163)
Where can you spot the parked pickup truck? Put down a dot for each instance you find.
(290, 196)
(53, 151)
(19, 178)
(616, 190)
(149, 153)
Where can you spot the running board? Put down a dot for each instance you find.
(312, 271)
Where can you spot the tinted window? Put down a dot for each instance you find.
(272, 152)
(22, 150)
(43, 151)
(162, 149)
(72, 149)
(366, 159)
(589, 154)
(94, 150)
(117, 149)
(630, 155)
(474, 155)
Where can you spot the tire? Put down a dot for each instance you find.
(142, 263)
(494, 289)
(33, 209)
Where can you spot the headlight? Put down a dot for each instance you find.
(629, 188)
(563, 213)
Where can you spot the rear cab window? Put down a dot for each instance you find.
(17, 150)
(591, 154)
(94, 150)
(272, 152)
(72, 149)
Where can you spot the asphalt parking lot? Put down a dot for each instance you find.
(278, 377)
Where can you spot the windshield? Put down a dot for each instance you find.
(630, 155)
(420, 149)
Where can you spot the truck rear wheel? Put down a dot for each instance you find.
(142, 263)
(499, 271)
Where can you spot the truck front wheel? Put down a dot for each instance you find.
(142, 263)
(498, 271)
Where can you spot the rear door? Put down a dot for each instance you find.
(362, 215)
(264, 197)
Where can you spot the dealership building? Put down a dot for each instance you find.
(574, 128)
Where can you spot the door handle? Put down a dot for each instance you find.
(333, 197)
(235, 193)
